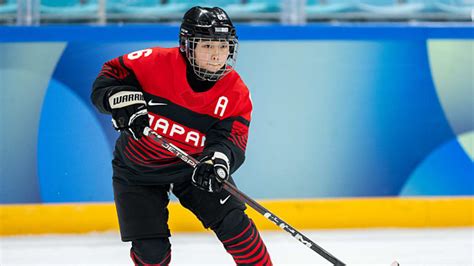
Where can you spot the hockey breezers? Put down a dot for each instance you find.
(246, 199)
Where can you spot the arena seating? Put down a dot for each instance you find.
(245, 10)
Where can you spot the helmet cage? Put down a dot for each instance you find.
(190, 44)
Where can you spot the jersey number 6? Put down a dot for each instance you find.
(139, 53)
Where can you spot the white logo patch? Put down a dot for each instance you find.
(222, 30)
(223, 201)
(151, 103)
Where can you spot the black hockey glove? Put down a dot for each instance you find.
(128, 108)
(211, 172)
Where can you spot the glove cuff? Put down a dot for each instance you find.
(221, 162)
(221, 156)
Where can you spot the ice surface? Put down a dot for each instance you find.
(354, 247)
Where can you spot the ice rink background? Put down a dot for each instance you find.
(418, 70)
(419, 247)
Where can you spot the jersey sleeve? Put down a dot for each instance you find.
(114, 73)
(230, 136)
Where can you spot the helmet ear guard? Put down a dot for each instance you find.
(183, 45)
(183, 34)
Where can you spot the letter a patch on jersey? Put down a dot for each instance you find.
(221, 106)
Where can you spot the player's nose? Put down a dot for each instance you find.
(215, 57)
(214, 53)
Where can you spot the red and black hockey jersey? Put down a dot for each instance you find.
(197, 122)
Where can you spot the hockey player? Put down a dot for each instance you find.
(193, 97)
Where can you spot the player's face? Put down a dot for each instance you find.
(211, 55)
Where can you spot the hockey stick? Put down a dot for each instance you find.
(246, 199)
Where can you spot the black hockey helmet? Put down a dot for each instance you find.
(206, 22)
(212, 24)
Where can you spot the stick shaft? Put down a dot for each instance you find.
(246, 199)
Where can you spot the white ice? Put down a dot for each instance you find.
(454, 246)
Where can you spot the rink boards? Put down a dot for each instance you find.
(301, 214)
